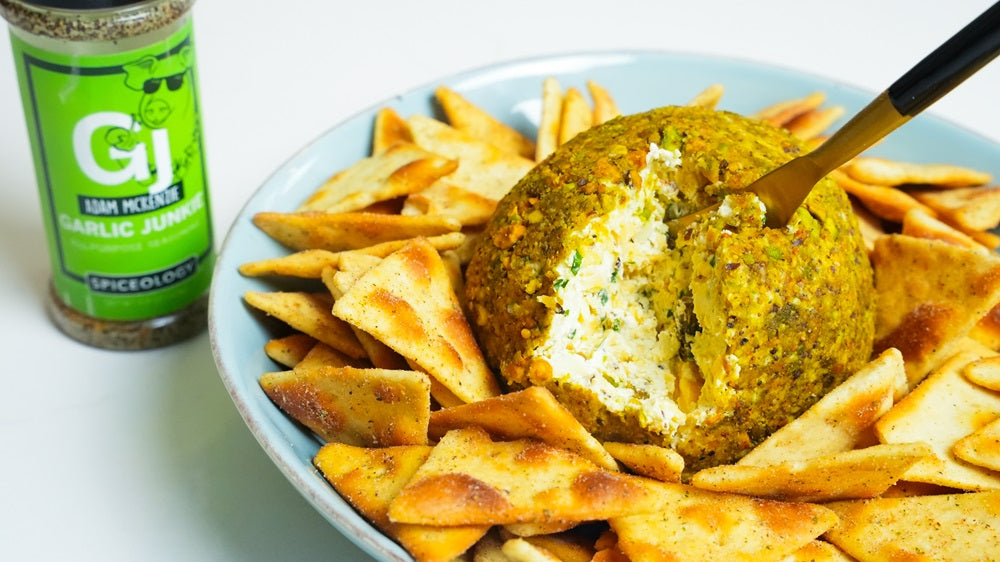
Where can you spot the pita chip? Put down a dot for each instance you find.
(982, 447)
(837, 421)
(394, 172)
(941, 527)
(389, 129)
(861, 473)
(653, 461)
(813, 123)
(370, 478)
(780, 113)
(482, 167)
(971, 208)
(931, 294)
(709, 97)
(348, 231)
(605, 107)
(310, 314)
(469, 117)
(694, 524)
(885, 202)
(547, 137)
(530, 413)
(289, 350)
(880, 171)
(985, 372)
(471, 480)
(943, 409)
(363, 407)
(407, 302)
(576, 116)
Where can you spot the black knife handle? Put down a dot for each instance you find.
(949, 65)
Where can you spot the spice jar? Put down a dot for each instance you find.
(111, 105)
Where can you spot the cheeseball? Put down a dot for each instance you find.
(705, 340)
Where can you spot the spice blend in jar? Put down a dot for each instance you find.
(111, 107)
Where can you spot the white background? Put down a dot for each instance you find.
(142, 456)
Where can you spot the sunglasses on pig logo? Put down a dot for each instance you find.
(174, 83)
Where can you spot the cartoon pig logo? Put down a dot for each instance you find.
(165, 86)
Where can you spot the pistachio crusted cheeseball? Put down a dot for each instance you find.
(706, 341)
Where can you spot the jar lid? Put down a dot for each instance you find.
(82, 4)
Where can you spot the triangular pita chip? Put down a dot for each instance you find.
(653, 461)
(370, 478)
(407, 302)
(605, 107)
(920, 224)
(694, 524)
(530, 413)
(469, 479)
(880, 171)
(885, 202)
(943, 527)
(289, 350)
(930, 296)
(709, 97)
(985, 372)
(363, 407)
(547, 138)
(982, 447)
(861, 473)
(576, 116)
(348, 231)
(818, 551)
(972, 208)
(944, 408)
(835, 423)
(389, 129)
(812, 124)
(309, 313)
(469, 117)
(482, 167)
(397, 171)
(784, 111)
(446, 199)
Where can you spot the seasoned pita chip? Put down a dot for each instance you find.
(370, 478)
(812, 124)
(407, 302)
(987, 330)
(309, 264)
(576, 117)
(547, 138)
(289, 350)
(482, 167)
(784, 111)
(653, 461)
(390, 129)
(981, 447)
(837, 421)
(884, 202)
(536, 529)
(565, 546)
(469, 479)
(380, 355)
(918, 223)
(944, 408)
(880, 171)
(469, 117)
(520, 550)
(930, 296)
(947, 527)
(306, 264)
(397, 171)
(310, 314)
(818, 551)
(861, 473)
(985, 372)
(871, 226)
(348, 231)
(972, 208)
(322, 355)
(605, 107)
(530, 413)
(694, 524)
(709, 97)
(448, 200)
(363, 407)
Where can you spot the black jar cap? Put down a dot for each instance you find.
(82, 4)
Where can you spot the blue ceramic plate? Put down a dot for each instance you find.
(637, 80)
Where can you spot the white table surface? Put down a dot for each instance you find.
(142, 455)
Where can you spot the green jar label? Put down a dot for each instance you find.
(118, 154)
